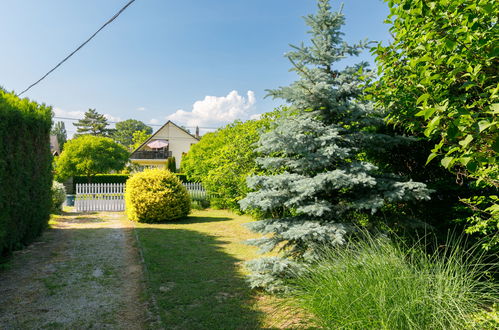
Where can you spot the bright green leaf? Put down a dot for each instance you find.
(464, 143)
(446, 161)
(423, 98)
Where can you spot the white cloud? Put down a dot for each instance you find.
(153, 121)
(256, 116)
(58, 112)
(68, 114)
(216, 110)
(112, 118)
(141, 109)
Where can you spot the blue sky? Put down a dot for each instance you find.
(212, 60)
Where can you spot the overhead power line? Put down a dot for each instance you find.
(115, 122)
(79, 47)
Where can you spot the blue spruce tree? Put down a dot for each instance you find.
(321, 184)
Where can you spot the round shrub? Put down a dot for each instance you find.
(156, 195)
(58, 196)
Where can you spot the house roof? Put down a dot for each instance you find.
(152, 136)
(54, 145)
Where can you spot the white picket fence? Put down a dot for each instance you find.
(110, 196)
(100, 197)
(196, 190)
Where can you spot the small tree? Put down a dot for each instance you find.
(93, 123)
(59, 130)
(171, 165)
(125, 130)
(320, 184)
(90, 155)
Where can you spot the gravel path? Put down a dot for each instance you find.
(82, 274)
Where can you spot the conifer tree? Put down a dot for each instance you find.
(59, 130)
(321, 185)
(94, 123)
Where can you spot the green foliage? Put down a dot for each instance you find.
(25, 170)
(182, 177)
(139, 137)
(439, 80)
(156, 195)
(124, 132)
(59, 130)
(89, 155)
(222, 160)
(318, 182)
(376, 284)
(58, 196)
(93, 123)
(170, 164)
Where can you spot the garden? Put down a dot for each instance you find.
(367, 200)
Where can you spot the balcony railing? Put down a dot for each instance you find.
(156, 154)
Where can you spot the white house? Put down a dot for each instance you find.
(170, 140)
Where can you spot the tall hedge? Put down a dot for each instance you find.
(25, 170)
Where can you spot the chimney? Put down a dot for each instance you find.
(197, 132)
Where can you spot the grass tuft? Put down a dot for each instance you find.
(377, 284)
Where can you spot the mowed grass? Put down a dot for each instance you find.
(195, 273)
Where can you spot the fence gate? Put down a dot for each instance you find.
(100, 197)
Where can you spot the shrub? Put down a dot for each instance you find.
(222, 160)
(375, 284)
(170, 164)
(25, 170)
(58, 196)
(156, 195)
(182, 177)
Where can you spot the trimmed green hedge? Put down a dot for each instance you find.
(25, 170)
(101, 178)
(113, 178)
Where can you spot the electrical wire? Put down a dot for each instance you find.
(79, 47)
(115, 122)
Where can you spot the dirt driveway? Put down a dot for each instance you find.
(82, 274)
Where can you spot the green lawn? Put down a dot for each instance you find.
(195, 274)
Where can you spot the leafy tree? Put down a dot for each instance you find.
(320, 185)
(223, 159)
(90, 155)
(139, 137)
(124, 131)
(93, 123)
(439, 80)
(59, 130)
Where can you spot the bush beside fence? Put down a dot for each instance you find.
(25, 170)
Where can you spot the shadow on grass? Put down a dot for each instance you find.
(76, 213)
(195, 283)
(199, 219)
(80, 220)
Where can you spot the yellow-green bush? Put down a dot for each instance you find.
(156, 195)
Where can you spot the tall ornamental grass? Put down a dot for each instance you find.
(377, 284)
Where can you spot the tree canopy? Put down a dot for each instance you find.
(125, 130)
(90, 155)
(93, 123)
(59, 130)
(439, 80)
